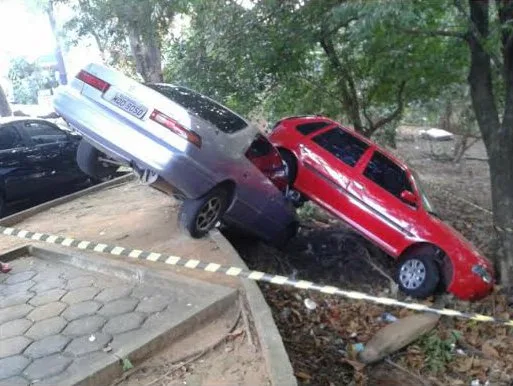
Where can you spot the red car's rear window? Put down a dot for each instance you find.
(310, 127)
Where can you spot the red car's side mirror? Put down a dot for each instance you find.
(409, 197)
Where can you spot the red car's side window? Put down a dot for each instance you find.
(342, 145)
(387, 174)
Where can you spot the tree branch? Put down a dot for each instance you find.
(480, 37)
(454, 34)
(397, 112)
(346, 83)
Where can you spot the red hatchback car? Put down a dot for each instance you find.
(381, 198)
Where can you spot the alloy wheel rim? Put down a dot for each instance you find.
(412, 274)
(208, 214)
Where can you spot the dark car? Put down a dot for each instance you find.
(36, 158)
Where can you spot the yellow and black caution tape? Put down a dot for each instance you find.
(240, 272)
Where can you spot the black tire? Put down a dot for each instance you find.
(199, 216)
(282, 240)
(88, 161)
(425, 279)
(291, 163)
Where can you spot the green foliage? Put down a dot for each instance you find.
(27, 79)
(438, 351)
(270, 58)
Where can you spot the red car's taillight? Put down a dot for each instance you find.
(93, 81)
(176, 128)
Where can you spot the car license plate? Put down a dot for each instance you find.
(129, 105)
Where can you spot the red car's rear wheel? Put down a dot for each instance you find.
(290, 163)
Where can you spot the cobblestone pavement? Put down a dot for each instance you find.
(56, 318)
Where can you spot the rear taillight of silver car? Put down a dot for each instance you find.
(176, 128)
(93, 81)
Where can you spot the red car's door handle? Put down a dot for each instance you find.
(359, 186)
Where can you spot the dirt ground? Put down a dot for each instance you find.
(221, 353)
(320, 342)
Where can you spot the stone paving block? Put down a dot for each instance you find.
(80, 295)
(46, 311)
(48, 274)
(14, 312)
(118, 307)
(23, 264)
(81, 281)
(114, 293)
(12, 366)
(13, 346)
(123, 323)
(86, 325)
(19, 287)
(14, 328)
(78, 310)
(152, 304)
(47, 346)
(78, 366)
(54, 283)
(83, 345)
(15, 299)
(20, 277)
(46, 328)
(53, 295)
(14, 381)
(46, 367)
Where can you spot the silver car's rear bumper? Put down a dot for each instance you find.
(131, 145)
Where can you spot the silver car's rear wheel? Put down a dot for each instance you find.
(201, 215)
(89, 160)
(209, 214)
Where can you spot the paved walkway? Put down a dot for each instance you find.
(60, 323)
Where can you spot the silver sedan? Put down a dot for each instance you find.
(183, 143)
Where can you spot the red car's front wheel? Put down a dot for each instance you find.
(418, 275)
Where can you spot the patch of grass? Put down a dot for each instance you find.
(438, 351)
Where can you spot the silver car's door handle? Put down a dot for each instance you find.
(359, 186)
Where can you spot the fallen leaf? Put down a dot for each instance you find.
(236, 333)
(489, 351)
(358, 366)
(464, 365)
(303, 375)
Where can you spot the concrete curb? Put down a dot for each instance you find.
(161, 336)
(276, 358)
(23, 215)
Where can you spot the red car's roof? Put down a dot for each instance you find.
(319, 118)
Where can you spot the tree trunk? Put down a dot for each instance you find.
(500, 154)
(147, 55)
(5, 108)
(63, 77)
(497, 136)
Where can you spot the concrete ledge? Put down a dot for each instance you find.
(276, 358)
(13, 254)
(24, 214)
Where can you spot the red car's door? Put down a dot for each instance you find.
(384, 216)
(329, 160)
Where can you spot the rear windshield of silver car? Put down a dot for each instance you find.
(205, 108)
